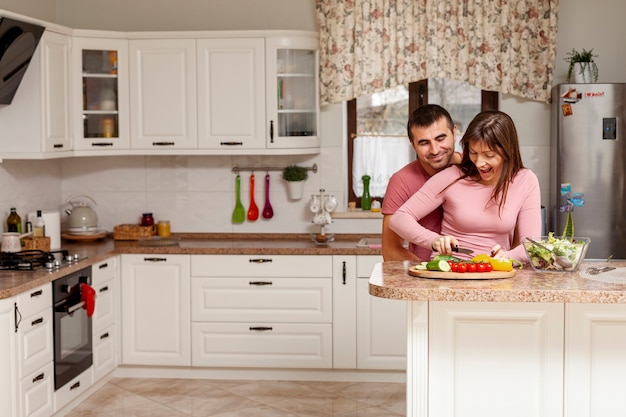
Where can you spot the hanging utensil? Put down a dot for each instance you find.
(253, 211)
(239, 213)
(268, 212)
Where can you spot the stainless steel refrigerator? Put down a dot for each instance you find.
(588, 152)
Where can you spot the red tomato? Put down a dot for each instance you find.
(482, 267)
(471, 267)
(450, 262)
(489, 267)
(462, 268)
(454, 267)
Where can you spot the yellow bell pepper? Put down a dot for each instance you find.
(498, 264)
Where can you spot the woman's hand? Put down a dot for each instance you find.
(497, 252)
(444, 244)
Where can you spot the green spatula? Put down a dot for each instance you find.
(239, 213)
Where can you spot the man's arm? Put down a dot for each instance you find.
(393, 249)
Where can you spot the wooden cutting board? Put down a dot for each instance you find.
(464, 275)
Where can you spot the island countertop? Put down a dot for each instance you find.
(392, 280)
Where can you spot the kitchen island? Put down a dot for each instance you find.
(538, 344)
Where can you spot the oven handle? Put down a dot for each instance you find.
(70, 310)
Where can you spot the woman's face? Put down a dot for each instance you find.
(488, 162)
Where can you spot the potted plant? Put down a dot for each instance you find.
(295, 176)
(582, 66)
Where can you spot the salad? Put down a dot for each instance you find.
(540, 258)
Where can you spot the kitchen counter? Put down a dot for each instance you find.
(16, 282)
(392, 280)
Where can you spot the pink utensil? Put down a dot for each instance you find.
(268, 212)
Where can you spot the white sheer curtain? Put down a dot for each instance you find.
(379, 157)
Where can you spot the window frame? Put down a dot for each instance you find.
(418, 96)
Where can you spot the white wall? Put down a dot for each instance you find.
(197, 193)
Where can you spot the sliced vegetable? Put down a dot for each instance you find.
(446, 258)
(438, 265)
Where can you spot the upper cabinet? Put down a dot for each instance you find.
(292, 92)
(37, 122)
(163, 94)
(231, 93)
(100, 93)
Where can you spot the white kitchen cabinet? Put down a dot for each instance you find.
(262, 311)
(344, 312)
(37, 123)
(35, 351)
(105, 324)
(155, 295)
(100, 111)
(595, 364)
(9, 400)
(490, 359)
(163, 94)
(231, 93)
(292, 92)
(381, 324)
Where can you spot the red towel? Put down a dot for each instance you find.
(88, 295)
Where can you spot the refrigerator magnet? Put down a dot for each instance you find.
(567, 109)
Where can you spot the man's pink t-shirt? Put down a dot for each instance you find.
(402, 185)
(470, 215)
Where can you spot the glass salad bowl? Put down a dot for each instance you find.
(556, 254)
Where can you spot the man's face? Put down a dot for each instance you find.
(434, 145)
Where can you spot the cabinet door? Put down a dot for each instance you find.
(292, 93)
(100, 94)
(344, 312)
(231, 93)
(36, 393)
(156, 310)
(163, 94)
(104, 356)
(55, 50)
(381, 324)
(8, 362)
(495, 359)
(595, 365)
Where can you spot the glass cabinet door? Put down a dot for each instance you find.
(293, 93)
(103, 106)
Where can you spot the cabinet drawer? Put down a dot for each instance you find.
(104, 313)
(35, 300)
(261, 266)
(35, 392)
(103, 271)
(365, 265)
(34, 342)
(73, 389)
(286, 300)
(104, 359)
(262, 345)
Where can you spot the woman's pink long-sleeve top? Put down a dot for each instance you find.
(470, 215)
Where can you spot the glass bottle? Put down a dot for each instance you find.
(39, 228)
(14, 222)
(147, 219)
(366, 199)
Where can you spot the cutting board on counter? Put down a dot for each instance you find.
(420, 273)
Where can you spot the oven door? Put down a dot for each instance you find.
(72, 339)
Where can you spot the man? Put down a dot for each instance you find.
(432, 134)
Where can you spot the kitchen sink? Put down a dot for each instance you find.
(370, 242)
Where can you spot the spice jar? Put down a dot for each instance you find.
(163, 228)
(147, 219)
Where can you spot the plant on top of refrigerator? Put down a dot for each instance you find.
(585, 57)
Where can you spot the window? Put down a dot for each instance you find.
(384, 116)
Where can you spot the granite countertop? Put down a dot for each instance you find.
(392, 280)
(16, 282)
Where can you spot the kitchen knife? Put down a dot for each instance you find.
(462, 250)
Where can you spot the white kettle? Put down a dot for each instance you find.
(82, 218)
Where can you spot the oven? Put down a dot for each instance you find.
(73, 303)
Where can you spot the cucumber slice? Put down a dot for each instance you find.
(438, 265)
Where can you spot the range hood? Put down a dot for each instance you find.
(18, 42)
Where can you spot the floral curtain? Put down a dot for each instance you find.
(498, 45)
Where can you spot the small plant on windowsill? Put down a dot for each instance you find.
(585, 59)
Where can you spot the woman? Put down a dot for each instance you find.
(490, 201)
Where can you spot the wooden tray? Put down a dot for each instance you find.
(100, 235)
(464, 275)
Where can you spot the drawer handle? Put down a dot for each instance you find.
(38, 377)
(104, 265)
(260, 329)
(155, 259)
(36, 293)
(104, 336)
(344, 273)
(231, 143)
(163, 143)
(57, 145)
(36, 322)
(76, 385)
(260, 260)
(102, 144)
(103, 289)
(260, 282)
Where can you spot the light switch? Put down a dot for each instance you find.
(609, 128)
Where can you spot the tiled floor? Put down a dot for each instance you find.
(131, 397)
